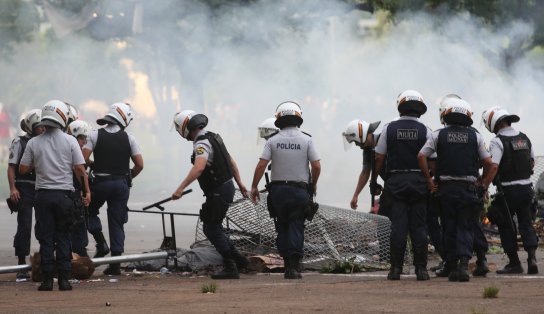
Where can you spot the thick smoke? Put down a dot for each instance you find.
(237, 63)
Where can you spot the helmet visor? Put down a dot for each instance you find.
(345, 140)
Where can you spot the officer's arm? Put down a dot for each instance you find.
(194, 173)
(80, 172)
(13, 192)
(138, 161)
(259, 171)
(236, 175)
(87, 154)
(490, 171)
(363, 179)
(424, 166)
(24, 169)
(379, 160)
(316, 171)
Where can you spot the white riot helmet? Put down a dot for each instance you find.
(119, 113)
(187, 121)
(492, 116)
(31, 120)
(55, 114)
(442, 105)
(458, 112)
(267, 128)
(288, 114)
(79, 128)
(72, 113)
(357, 132)
(411, 101)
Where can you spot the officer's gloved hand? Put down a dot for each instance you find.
(375, 188)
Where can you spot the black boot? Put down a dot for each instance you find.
(64, 284)
(229, 271)
(102, 248)
(481, 265)
(113, 269)
(462, 270)
(47, 282)
(453, 268)
(291, 265)
(513, 266)
(396, 265)
(241, 261)
(532, 267)
(420, 262)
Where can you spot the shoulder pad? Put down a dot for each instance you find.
(306, 133)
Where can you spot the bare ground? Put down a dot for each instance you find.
(267, 293)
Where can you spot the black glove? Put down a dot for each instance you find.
(375, 188)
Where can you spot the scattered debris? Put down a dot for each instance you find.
(108, 303)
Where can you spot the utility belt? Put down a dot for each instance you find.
(299, 184)
(55, 190)
(112, 177)
(391, 173)
(26, 181)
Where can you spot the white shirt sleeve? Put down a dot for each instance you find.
(429, 149)
(496, 149)
(381, 147)
(312, 153)
(267, 151)
(91, 140)
(15, 151)
(202, 149)
(28, 155)
(77, 155)
(482, 151)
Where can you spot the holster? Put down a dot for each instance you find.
(214, 209)
(270, 206)
(311, 210)
(13, 207)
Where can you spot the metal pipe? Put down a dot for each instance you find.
(98, 261)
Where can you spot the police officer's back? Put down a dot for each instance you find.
(513, 162)
(113, 149)
(400, 142)
(460, 149)
(291, 153)
(53, 155)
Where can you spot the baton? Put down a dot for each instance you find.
(85, 208)
(159, 203)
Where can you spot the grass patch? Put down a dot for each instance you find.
(208, 287)
(475, 310)
(491, 292)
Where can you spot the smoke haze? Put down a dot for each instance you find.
(237, 63)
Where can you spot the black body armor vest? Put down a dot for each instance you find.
(112, 153)
(31, 176)
(405, 138)
(516, 163)
(457, 150)
(220, 170)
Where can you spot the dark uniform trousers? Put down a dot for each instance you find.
(480, 244)
(116, 193)
(289, 203)
(78, 232)
(212, 214)
(21, 241)
(519, 199)
(433, 225)
(408, 216)
(460, 211)
(53, 214)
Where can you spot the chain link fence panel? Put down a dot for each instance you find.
(334, 235)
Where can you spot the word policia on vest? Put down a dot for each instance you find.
(407, 134)
(288, 146)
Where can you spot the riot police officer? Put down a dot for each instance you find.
(267, 128)
(112, 148)
(361, 133)
(290, 152)
(513, 162)
(80, 130)
(53, 155)
(400, 143)
(214, 168)
(460, 150)
(22, 187)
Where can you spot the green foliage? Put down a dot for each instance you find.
(208, 287)
(475, 310)
(491, 292)
(18, 22)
